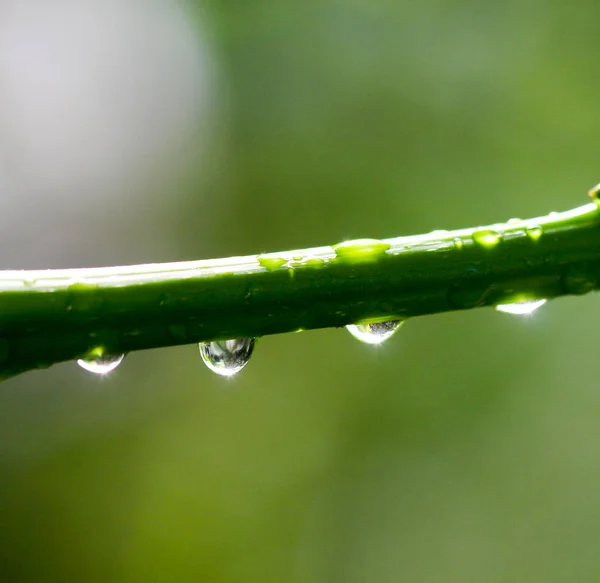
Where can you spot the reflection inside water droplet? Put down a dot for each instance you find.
(227, 357)
(101, 364)
(534, 232)
(375, 333)
(521, 308)
(487, 237)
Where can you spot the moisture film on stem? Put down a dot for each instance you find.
(370, 286)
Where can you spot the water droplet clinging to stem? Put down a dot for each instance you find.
(521, 308)
(227, 357)
(100, 363)
(374, 333)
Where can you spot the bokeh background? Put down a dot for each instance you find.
(465, 449)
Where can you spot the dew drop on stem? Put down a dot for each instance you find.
(522, 308)
(374, 333)
(100, 363)
(227, 357)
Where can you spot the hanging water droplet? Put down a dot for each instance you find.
(374, 333)
(100, 363)
(227, 357)
(458, 243)
(487, 237)
(521, 308)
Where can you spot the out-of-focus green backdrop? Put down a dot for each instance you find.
(466, 449)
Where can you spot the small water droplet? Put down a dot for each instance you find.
(314, 262)
(360, 250)
(521, 308)
(595, 193)
(487, 238)
(271, 261)
(459, 243)
(227, 357)
(374, 333)
(534, 232)
(99, 363)
(514, 221)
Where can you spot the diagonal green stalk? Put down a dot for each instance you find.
(56, 315)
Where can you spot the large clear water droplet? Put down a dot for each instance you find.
(227, 357)
(375, 333)
(521, 308)
(101, 364)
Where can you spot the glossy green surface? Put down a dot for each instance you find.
(123, 309)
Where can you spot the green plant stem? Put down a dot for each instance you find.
(52, 316)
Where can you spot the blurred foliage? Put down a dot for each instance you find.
(464, 450)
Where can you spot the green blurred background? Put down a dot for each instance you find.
(465, 449)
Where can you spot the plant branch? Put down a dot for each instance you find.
(56, 315)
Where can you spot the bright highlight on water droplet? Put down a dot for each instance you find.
(271, 261)
(360, 250)
(534, 233)
(521, 308)
(101, 364)
(227, 357)
(595, 193)
(487, 237)
(375, 333)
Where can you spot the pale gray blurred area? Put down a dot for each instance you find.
(103, 106)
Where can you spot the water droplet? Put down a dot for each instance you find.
(534, 232)
(595, 193)
(521, 308)
(514, 221)
(314, 262)
(227, 357)
(360, 250)
(374, 333)
(487, 238)
(271, 261)
(100, 363)
(459, 243)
